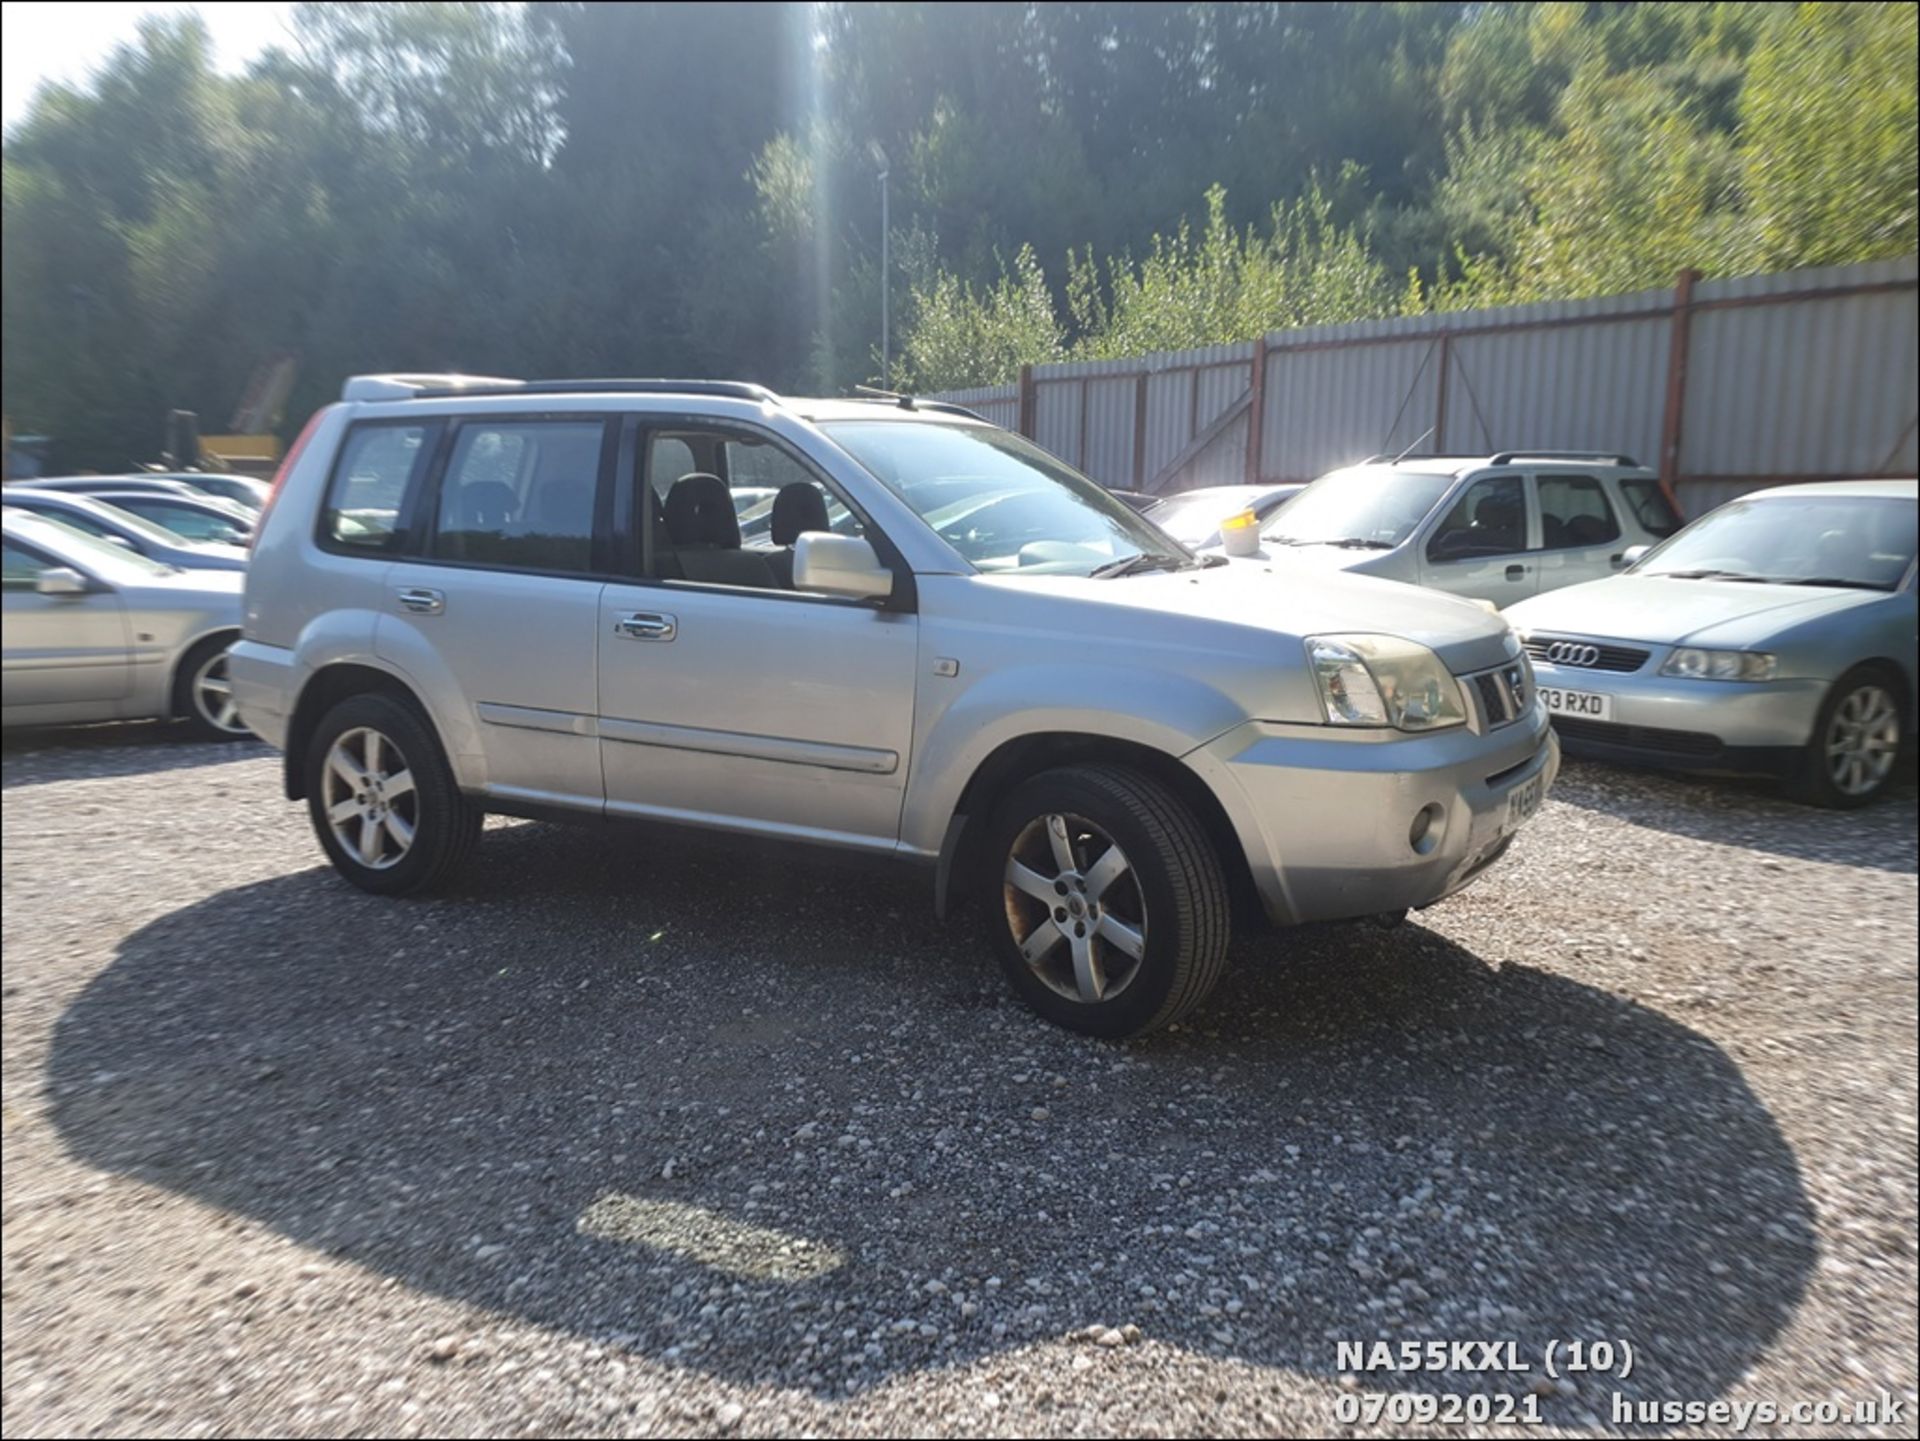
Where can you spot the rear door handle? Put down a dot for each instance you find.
(1516, 572)
(421, 600)
(647, 625)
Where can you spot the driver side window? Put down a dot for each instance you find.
(1489, 519)
(22, 567)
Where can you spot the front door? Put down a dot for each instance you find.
(1479, 549)
(737, 701)
(66, 656)
(504, 598)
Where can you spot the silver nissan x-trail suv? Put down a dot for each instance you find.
(880, 625)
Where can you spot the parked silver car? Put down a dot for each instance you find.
(95, 632)
(1775, 635)
(535, 598)
(1497, 528)
(111, 522)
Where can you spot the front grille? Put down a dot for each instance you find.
(1503, 694)
(1646, 738)
(1585, 654)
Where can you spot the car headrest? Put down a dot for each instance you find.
(798, 507)
(484, 504)
(700, 512)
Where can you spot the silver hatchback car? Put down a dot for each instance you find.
(96, 632)
(1775, 635)
(945, 646)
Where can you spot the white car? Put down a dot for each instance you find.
(1496, 528)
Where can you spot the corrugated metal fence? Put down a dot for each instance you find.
(1726, 385)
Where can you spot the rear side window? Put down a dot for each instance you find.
(521, 494)
(377, 470)
(1575, 512)
(1650, 506)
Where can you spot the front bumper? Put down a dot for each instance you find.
(1326, 816)
(1733, 727)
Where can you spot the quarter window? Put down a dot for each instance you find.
(1575, 512)
(377, 468)
(1651, 507)
(1490, 518)
(521, 494)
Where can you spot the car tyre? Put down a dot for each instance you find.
(1114, 913)
(383, 799)
(203, 692)
(1859, 740)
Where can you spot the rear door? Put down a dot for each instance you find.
(500, 597)
(1480, 547)
(65, 656)
(1580, 534)
(748, 706)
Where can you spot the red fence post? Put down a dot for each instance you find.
(1257, 417)
(1440, 399)
(1139, 429)
(1669, 463)
(1026, 401)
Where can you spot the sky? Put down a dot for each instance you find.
(52, 40)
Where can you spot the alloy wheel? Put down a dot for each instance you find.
(1074, 905)
(212, 691)
(1863, 740)
(370, 801)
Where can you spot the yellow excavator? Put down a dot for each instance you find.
(250, 447)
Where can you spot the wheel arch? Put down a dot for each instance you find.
(325, 689)
(957, 872)
(177, 701)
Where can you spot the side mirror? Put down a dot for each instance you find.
(844, 565)
(60, 580)
(1448, 545)
(1632, 555)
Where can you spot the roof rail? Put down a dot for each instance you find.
(877, 396)
(443, 387)
(1507, 457)
(407, 386)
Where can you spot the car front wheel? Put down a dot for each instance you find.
(1114, 910)
(383, 799)
(1857, 740)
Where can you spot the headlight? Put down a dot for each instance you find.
(1720, 664)
(1381, 680)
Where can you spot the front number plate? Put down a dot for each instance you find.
(1524, 800)
(1586, 704)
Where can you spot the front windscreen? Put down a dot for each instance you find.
(1841, 540)
(1373, 506)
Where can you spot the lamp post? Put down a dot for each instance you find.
(879, 155)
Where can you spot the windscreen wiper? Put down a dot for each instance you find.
(1133, 565)
(1834, 580)
(1359, 542)
(1710, 575)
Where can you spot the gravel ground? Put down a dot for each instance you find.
(650, 1133)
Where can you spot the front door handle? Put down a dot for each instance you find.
(647, 625)
(421, 600)
(1516, 572)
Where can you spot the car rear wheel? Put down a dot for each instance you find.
(1857, 740)
(1114, 911)
(383, 799)
(203, 692)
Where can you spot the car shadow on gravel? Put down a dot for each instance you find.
(36, 755)
(737, 1110)
(1750, 813)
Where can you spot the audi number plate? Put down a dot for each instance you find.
(1585, 704)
